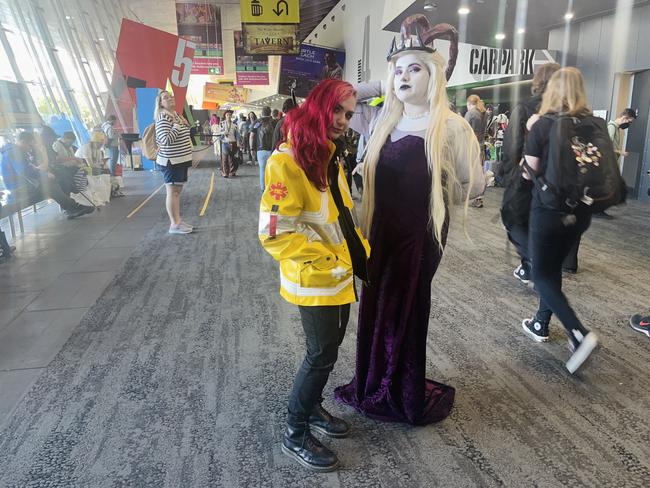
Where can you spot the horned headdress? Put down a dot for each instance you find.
(416, 34)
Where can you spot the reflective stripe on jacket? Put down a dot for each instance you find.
(299, 227)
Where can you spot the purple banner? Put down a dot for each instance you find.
(312, 65)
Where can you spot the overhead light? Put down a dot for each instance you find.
(463, 11)
(428, 6)
(500, 36)
(521, 31)
(101, 39)
(68, 17)
(568, 16)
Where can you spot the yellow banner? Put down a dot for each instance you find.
(270, 11)
(214, 92)
(271, 39)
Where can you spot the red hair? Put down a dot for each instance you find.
(308, 124)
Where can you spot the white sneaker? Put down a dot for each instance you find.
(582, 352)
(186, 226)
(178, 229)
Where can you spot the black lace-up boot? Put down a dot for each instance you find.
(299, 444)
(324, 422)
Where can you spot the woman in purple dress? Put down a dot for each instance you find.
(421, 157)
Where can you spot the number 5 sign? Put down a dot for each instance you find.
(182, 63)
(148, 57)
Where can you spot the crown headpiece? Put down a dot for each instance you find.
(416, 34)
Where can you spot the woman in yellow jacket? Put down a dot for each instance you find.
(306, 224)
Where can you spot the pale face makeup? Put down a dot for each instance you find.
(341, 117)
(411, 81)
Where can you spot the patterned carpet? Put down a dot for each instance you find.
(179, 374)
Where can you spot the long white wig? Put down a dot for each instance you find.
(449, 142)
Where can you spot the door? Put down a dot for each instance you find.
(637, 165)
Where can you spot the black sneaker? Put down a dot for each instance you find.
(641, 323)
(535, 329)
(79, 211)
(522, 273)
(586, 346)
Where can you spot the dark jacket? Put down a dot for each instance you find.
(264, 133)
(277, 133)
(515, 135)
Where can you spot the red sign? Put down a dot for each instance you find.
(148, 58)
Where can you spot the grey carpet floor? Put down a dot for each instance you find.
(178, 376)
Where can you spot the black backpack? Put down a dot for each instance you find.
(518, 194)
(582, 168)
(517, 197)
(265, 134)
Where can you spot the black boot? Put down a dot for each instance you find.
(300, 445)
(324, 422)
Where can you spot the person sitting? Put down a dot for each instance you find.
(5, 249)
(18, 171)
(91, 152)
(65, 165)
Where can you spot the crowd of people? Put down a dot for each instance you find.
(247, 139)
(43, 165)
(413, 161)
(419, 159)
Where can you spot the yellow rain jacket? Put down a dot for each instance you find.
(299, 227)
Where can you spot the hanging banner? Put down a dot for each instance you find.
(270, 11)
(148, 58)
(249, 70)
(222, 94)
(311, 66)
(271, 39)
(17, 107)
(478, 64)
(201, 24)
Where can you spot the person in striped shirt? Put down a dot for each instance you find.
(174, 157)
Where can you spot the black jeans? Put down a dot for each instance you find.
(550, 243)
(518, 235)
(50, 188)
(324, 331)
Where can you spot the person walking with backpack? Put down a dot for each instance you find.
(262, 132)
(174, 157)
(515, 206)
(570, 158)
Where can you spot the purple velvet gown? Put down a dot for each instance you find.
(389, 382)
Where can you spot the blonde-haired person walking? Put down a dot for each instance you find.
(552, 230)
(174, 157)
